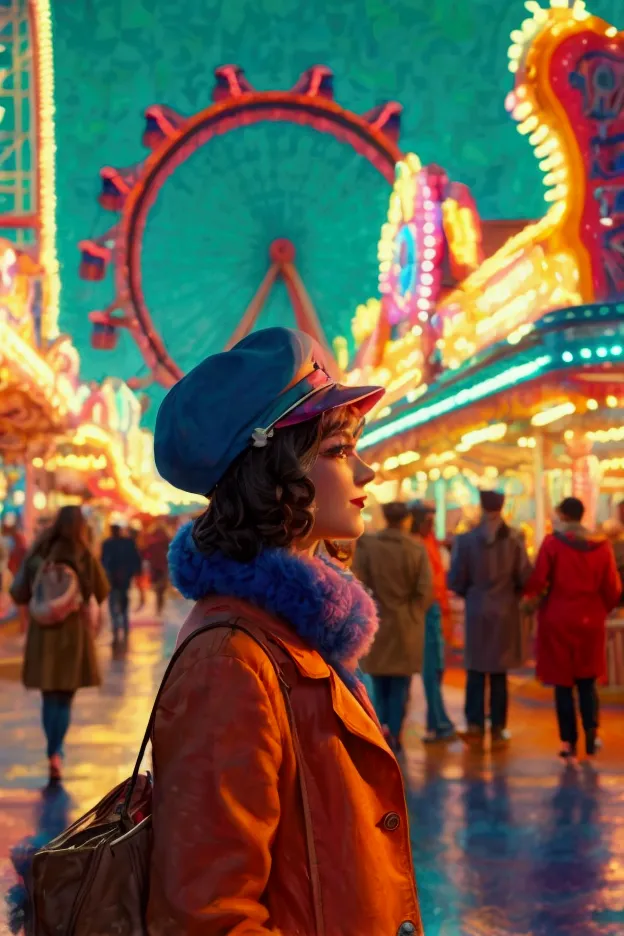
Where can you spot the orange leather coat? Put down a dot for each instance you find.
(230, 852)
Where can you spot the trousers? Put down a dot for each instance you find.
(118, 603)
(475, 699)
(56, 716)
(438, 722)
(390, 697)
(566, 712)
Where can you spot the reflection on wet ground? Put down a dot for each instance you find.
(505, 843)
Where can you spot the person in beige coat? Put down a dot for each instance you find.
(395, 567)
(61, 659)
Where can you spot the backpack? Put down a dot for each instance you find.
(93, 879)
(56, 593)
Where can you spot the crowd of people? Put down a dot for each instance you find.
(571, 589)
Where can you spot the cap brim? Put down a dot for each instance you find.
(362, 399)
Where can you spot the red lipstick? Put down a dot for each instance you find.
(359, 502)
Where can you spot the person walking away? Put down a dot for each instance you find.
(439, 725)
(489, 569)
(122, 562)
(396, 569)
(142, 580)
(577, 580)
(156, 553)
(60, 658)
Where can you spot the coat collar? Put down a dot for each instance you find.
(326, 607)
(351, 705)
(309, 663)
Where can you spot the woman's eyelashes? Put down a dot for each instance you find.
(343, 450)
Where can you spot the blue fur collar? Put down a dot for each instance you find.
(326, 606)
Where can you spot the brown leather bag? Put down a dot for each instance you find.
(93, 879)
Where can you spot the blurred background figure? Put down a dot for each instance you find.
(439, 725)
(142, 581)
(12, 553)
(156, 553)
(395, 568)
(17, 543)
(614, 531)
(122, 563)
(489, 569)
(60, 658)
(577, 584)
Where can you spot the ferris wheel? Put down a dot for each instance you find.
(263, 208)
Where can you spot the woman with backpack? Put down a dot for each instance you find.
(62, 584)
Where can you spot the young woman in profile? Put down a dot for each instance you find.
(278, 806)
(61, 659)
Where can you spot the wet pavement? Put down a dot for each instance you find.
(506, 843)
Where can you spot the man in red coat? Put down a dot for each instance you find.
(578, 583)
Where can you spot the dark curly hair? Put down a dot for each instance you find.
(266, 498)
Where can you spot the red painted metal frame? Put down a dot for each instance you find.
(23, 222)
(323, 115)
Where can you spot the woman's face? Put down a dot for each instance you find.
(339, 476)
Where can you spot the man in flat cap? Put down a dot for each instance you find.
(489, 569)
(396, 569)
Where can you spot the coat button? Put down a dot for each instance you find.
(391, 821)
(406, 929)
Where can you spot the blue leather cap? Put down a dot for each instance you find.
(238, 398)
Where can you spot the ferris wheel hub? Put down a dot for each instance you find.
(282, 250)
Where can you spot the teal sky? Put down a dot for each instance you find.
(206, 242)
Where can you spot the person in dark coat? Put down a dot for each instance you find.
(61, 659)
(395, 567)
(156, 552)
(577, 581)
(489, 569)
(122, 562)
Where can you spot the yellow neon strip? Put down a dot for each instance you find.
(46, 168)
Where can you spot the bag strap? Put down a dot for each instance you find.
(303, 786)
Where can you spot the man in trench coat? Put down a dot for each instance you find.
(489, 569)
(395, 567)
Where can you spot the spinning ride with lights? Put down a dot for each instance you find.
(258, 257)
